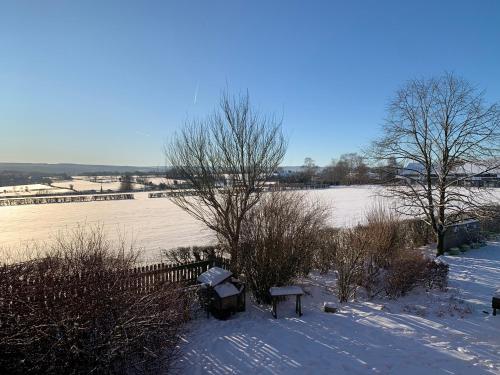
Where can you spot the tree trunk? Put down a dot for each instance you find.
(441, 218)
(440, 241)
(234, 252)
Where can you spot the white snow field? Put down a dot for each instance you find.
(86, 185)
(154, 224)
(423, 333)
(30, 189)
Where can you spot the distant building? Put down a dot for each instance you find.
(465, 175)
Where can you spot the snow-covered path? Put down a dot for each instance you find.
(423, 333)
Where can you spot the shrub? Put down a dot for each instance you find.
(324, 256)
(436, 275)
(191, 254)
(385, 237)
(384, 231)
(410, 269)
(350, 253)
(78, 311)
(279, 238)
(406, 271)
(417, 233)
(490, 218)
(380, 256)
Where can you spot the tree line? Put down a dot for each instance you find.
(348, 169)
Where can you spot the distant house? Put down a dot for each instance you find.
(465, 175)
(288, 171)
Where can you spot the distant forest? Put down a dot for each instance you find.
(10, 178)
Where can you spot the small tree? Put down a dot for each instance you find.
(226, 158)
(444, 134)
(125, 183)
(309, 169)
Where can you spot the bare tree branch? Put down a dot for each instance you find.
(440, 134)
(226, 158)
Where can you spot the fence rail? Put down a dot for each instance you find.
(64, 199)
(166, 194)
(37, 285)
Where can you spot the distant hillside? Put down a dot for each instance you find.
(71, 169)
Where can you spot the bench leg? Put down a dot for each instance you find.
(274, 309)
(300, 306)
(494, 312)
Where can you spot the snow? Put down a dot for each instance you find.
(28, 190)
(214, 276)
(226, 290)
(154, 224)
(285, 291)
(86, 185)
(330, 305)
(423, 333)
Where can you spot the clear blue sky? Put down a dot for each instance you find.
(108, 81)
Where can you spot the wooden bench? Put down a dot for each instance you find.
(285, 291)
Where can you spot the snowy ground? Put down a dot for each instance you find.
(83, 185)
(154, 224)
(422, 333)
(29, 189)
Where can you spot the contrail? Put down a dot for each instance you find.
(196, 93)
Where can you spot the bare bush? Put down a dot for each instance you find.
(491, 221)
(79, 310)
(383, 231)
(279, 238)
(411, 269)
(381, 256)
(406, 271)
(436, 275)
(417, 233)
(324, 256)
(350, 253)
(182, 255)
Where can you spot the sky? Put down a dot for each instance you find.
(108, 82)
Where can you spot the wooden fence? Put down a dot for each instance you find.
(64, 199)
(187, 272)
(166, 194)
(17, 282)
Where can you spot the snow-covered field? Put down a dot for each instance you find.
(423, 333)
(30, 189)
(86, 185)
(154, 223)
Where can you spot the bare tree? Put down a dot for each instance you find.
(125, 183)
(309, 169)
(226, 158)
(444, 134)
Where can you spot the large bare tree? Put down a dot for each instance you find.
(444, 134)
(226, 158)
